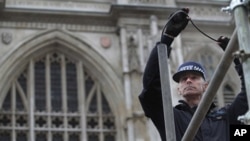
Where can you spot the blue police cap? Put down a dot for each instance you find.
(189, 66)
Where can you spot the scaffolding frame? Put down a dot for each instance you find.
(166, 92)
(240, 10)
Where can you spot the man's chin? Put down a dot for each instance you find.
(191, 94)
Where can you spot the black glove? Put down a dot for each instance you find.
(177, 21)
(222, 42)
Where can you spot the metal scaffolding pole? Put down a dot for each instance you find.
(240, 10)
(166, 93)
(213, 86)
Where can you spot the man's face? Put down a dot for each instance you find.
(191, 84)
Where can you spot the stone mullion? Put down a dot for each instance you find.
(64, 96)
(81, 100)
(99, 108)
(48, 95)
(31, 92)
(22, 95)
(13, 111)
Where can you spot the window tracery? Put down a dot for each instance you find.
(57, 114)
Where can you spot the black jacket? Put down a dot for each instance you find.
(215, 126)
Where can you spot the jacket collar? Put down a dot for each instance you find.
(185, 107)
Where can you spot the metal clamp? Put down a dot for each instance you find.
(245, 118)
(241, 55)
(234, 4)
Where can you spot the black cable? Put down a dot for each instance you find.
(202, 31)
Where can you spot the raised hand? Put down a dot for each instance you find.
(177, 21)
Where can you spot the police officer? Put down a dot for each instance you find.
(192, 83)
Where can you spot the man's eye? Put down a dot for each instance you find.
(183, 78)
(194, 77)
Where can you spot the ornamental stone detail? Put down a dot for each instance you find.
(70, 27)
(105, 42)
(59, 5)
(6, 37)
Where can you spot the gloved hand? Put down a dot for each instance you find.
(222, 42)
(177, 21)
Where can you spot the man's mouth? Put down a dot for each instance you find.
(189, 88)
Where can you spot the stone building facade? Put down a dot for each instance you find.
(72, 70)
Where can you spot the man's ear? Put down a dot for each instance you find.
(205, 85)
(178, 90)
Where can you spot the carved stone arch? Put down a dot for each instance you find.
(14, 62)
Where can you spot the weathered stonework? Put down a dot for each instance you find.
(59, 5)
(113, 39)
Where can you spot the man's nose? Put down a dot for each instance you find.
(189, 80)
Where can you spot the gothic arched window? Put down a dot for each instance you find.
(56, 99)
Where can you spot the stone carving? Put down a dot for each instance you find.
(59, 5)
(133, 58)
(105, 42)
(6, 37)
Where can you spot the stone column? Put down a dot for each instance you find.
(127, 84)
